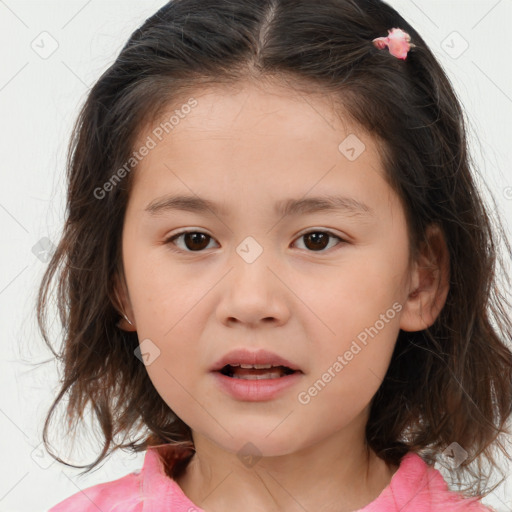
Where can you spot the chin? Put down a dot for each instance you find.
(257, 443)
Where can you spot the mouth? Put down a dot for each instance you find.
(255, 376)
(243, 363)
(256, 372)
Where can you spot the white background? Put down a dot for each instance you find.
(39, 101)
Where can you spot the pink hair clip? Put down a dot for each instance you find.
(397, 41)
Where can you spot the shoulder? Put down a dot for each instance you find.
(147, 490)
(418, 487)
(122, 494)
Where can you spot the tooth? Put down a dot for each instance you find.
(269, 375)
(256, 366)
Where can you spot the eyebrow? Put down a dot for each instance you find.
(284, 208)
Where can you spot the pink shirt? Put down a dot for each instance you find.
(415, 487)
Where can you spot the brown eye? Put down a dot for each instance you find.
(194, 241)
(197, 241)
(317, 241)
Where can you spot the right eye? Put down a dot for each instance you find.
(194, 241)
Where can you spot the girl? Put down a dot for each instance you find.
(338, 327)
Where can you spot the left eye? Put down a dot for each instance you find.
(319, 239)
(196, 240)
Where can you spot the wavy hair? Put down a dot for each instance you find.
(449, 383)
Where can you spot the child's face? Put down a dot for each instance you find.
(332, 308)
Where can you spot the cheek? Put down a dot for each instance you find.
(356, 293)
(349, 367)
(172, 380)
(180, 363)
(359, 311)
(164, 292)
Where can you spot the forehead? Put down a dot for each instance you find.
(253, 137)
(248, 110)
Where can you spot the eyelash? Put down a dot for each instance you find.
(171, 239)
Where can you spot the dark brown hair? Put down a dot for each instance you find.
(449, 383)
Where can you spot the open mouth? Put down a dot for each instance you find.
(256, 372)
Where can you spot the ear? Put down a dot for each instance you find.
(430, 282)
(123, 305)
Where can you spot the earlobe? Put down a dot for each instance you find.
(430, 283)
(125, 324)
(122, 304)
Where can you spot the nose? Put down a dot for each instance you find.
(253, 293)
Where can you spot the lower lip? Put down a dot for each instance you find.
(256, 390)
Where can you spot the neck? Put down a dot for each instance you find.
(331, 476)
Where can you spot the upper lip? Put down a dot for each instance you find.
(245, 356)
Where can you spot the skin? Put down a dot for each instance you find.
(248, 149)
